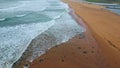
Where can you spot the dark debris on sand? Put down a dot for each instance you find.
(85, 52)
(41, 60)
(62, 60)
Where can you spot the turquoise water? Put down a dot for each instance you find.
(28, 18)
(46, 22)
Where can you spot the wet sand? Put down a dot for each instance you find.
(98, 47)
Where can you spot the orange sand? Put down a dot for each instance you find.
(98, 47)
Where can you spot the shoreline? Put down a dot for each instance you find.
(91, 50)
(86, 39)
(77, 19)
(23, 62)
(104, 26)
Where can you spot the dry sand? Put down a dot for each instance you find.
(98, 47)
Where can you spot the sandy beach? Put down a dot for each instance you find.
(98, 47)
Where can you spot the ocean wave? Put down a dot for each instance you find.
(22, 15)
(8, 9)
(2, 19)
(27, 6)
(59, 33)
(56, 11)
(38, 24)
(24, 19)
(14, 40)
(54, 14)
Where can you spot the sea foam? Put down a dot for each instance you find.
(38, 24)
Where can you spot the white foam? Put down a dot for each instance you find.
(12, 8)
(2, 19)
(64, 29)
(14, 40)
(27, 6)
(56, 11)
(22, 15)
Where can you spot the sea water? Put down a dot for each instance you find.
(112, 7)
(115, 8)
(40, 24)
